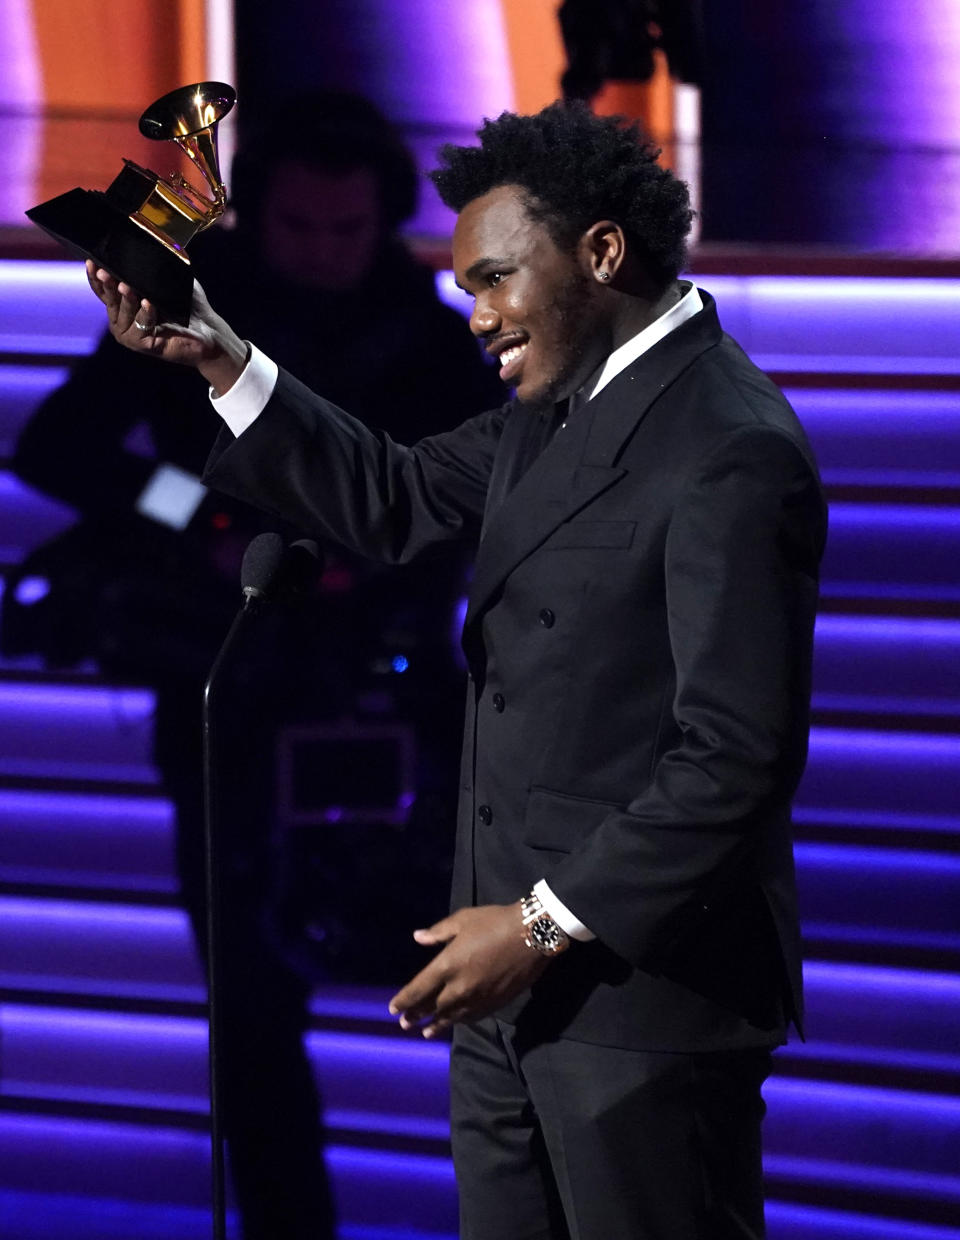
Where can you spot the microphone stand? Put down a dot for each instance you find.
(267, 570)
(211, 810)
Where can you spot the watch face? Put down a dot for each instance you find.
(547, 935)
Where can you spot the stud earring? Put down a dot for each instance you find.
(603, 275)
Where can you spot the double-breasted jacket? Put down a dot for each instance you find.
(639, 637)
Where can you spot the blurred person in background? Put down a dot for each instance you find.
(146, 582)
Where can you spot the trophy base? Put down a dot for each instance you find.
(89, 225)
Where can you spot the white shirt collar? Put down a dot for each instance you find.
(688, 305)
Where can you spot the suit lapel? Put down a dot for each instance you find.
(550, 491)
(579, 462)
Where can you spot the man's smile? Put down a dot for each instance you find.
(510, 360)
(508, 348)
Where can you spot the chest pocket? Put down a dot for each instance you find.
(573, 534)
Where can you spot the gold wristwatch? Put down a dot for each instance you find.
(542, 932)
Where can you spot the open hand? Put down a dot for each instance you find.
(207, 342)
(484, 964)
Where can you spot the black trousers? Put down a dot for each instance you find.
(569, 1141)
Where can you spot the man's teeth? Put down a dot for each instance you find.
(511, 355)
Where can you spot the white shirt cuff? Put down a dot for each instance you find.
(247, 399)
(561, 914)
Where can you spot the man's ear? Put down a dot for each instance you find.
(603, 249)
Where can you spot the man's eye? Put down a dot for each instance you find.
(495, 278)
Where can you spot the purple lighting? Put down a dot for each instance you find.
(872, 1128)
(122, 1059)
(879, 777)
(98, 948)
(883, 438)
(47, 307)
(791, 1222)
(892, 551)
(76, 730)
(21, 390)
(887, 663)
(872, 325)
(31, 590)
(100, 840)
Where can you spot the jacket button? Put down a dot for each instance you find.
(485, 814)
(547, 618)
(499, 701)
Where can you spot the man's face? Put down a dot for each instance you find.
(321, 229)
(534, 304)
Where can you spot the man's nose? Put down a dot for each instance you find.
(484, 320)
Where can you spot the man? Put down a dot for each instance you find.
(622, 953)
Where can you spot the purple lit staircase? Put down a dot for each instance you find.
(102, 1038)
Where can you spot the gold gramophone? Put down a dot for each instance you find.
(139, 228)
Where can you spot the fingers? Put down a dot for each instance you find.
(432, 1014)
(435, 996)
(131, 320)
(484, 962)
(449, 1011)
(418, 998)
(134, 314)
(92, 279)
(454, 1003)
(105, 287)
(144, 316)
(441, 932)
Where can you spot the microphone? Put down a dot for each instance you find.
(271, 571)
(260, 566)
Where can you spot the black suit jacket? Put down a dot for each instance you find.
(639, 637)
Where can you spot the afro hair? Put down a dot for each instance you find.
(574, 169)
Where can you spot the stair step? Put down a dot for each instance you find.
(168, 1166)
(83, 732)
(892, 551)
(879, 777)
(894, 1019)
(136, 951)
(788, 1221)
(47, 308)
(100, 732)
(369, 1084)
(87, 839)
(41, 1215)
(882, 438)
(87, 948)
(842, 1139)
(874, 892)
(887, 665)
(839, 324)
(51, 1217)
(860, 1131)
(890, 1016)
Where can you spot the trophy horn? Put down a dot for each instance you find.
(189, 116)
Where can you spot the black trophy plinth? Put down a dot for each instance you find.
(89, 224)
